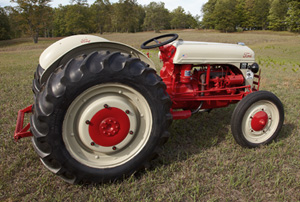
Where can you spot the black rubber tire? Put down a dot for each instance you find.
(243, 109)
(36, 85)
(67, 83)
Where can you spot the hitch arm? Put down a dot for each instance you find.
(21, 131)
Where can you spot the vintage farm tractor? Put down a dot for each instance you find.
(101, 112)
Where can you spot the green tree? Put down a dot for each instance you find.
(77, 18)
(126, 16)
(16, 25)
(261, 12)
(225, 15)
(157, 17)
(47, 24)
(141, 13)
(33, 14)
(249, 22)
(101, 15)
(192, 21)
(209, 20)
(179, 18)
(4, 25)
(293, 16)
(241, 14)
(59, 21)
(277, 15)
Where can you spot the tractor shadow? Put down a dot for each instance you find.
(201, 132)
(194, 135)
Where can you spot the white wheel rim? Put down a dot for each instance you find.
(269, 127)
(76, 134)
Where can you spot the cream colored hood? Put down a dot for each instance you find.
(211, 53)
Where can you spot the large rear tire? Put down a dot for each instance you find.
(36, 85)
(257, 119)
(100, 118)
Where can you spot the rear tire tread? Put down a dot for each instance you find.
(68, 77)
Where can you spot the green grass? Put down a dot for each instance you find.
(200, 162)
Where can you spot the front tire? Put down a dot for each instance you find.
(257, 119)
(100, 118)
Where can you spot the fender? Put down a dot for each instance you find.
(62, 51)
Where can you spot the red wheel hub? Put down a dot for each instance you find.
(259, 121)
(109, 127)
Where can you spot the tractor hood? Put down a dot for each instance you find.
(189, 52)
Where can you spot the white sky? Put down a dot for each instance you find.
(192, 6)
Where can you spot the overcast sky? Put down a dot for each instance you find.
(192, 6)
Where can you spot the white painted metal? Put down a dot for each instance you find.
(83, 44)
(61, 47)
(258, 137)
(189, 52)
(75, 131)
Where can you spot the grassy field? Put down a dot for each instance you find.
(200, 162)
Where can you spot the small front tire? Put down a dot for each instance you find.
(257, 119)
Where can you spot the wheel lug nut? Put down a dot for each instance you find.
(131, 132)
(127, 111)
(87, 122)
(92, 143)
(114, 147)
(105, 106)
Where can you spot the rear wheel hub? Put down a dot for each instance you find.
(109, 127)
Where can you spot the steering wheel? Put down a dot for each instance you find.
(144, 45)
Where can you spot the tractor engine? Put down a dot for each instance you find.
(188, 84)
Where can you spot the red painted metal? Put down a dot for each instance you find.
(21, 131)
(257, 83)
(185, 74)
(214, 86)
(181, 114)
(259, 121)
(109, 127)
(189, 86)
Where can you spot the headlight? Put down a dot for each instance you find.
(254, 67)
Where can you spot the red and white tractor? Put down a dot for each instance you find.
(101, 112)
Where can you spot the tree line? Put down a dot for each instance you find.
(239, 15)
(37, 18)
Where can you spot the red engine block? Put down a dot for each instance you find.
(204, 86)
